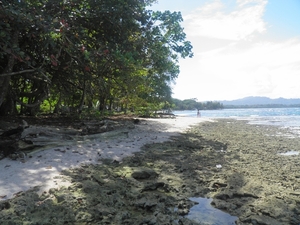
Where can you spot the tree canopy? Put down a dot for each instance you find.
(87, 53)
(193, 104)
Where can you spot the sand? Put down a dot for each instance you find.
(43, 168)
(244, 170)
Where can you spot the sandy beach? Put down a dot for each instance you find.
(43, 169)
(187, 171)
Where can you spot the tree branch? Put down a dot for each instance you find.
(25, 71)
(17, 73)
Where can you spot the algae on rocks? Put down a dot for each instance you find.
(154, 186)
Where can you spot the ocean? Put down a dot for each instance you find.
(283, 117)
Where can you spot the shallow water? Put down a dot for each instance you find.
(206, 214)
(284, 117)
(289, 153)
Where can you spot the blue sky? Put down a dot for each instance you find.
(241, 48)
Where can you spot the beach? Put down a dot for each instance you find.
(40, 170)
(149, 176)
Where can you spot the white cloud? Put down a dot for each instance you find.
(229, 63)
(257, 69)
(213, 21)
(246, 2)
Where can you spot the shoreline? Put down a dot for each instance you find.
(44, 168)
(155, 185)
(257, 182)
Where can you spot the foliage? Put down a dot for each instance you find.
(75, 53)
(192, 104)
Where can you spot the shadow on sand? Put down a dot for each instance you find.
(153, 186)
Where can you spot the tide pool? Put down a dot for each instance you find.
(205, 213)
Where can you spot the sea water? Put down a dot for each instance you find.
(283, 117)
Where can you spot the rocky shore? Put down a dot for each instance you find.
(238, 165)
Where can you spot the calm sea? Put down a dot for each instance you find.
(283, 117)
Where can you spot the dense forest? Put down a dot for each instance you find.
(192, 104)
(84, 55)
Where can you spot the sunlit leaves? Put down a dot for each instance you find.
(104, 50)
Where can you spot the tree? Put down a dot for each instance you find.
(81, 52)
(193, 104)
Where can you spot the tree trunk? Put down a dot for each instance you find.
(8, 107)
(101, 104)
(5, 81)
(57, 105)
(80, 106)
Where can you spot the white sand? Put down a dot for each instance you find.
(43, 169)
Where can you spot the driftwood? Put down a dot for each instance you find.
(164, 115)
(37, 138)
(7, 147)
(43, 136)
(9, 140)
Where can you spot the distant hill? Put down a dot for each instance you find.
(251, 101)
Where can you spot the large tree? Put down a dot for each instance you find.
(82, 51)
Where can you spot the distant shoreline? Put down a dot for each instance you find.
(258, 101)
(271, 106)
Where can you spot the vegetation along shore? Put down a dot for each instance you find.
(239, 166)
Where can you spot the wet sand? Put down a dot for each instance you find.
(236, 164)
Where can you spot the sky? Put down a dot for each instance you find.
(241, 48)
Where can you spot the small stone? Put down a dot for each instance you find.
(144, 173)
(52, 190)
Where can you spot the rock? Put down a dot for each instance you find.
(53, 190)
(184, 207)
(60, 197)
(219, 204)
(90, 186)
(295, 193)
(144, 173)
(255, 184)
(261, 220)
(98, 178)
(223, 196)
(185, 221)
(83, 216)
(136, 121)
(105, 211)
(183, 212)
(146, 203)
(218, 185)
(153, 186)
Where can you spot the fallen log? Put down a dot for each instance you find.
(37, 138)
